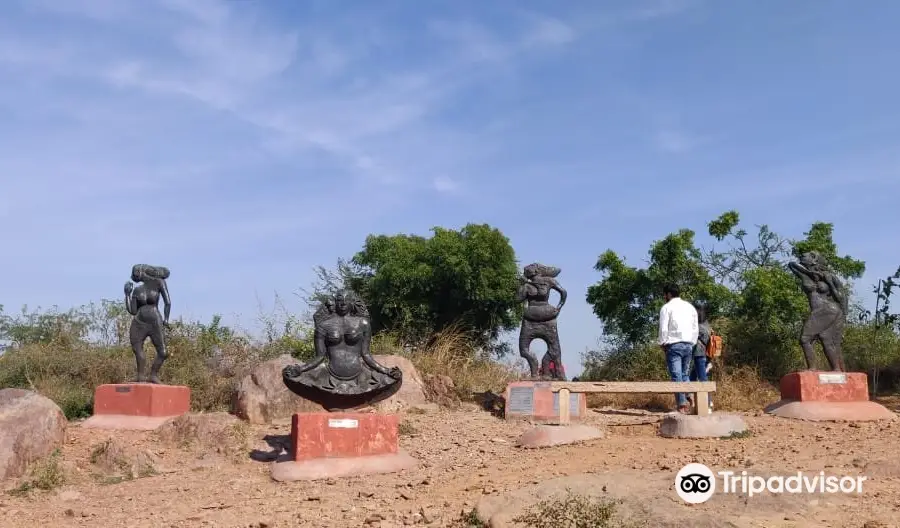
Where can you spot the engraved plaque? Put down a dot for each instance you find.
(574, 408)
(832, 379)
(521, 400)
(123, 389)
(347, 423)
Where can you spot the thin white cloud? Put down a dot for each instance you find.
(444, 184)
(675, 141)
(179, 108)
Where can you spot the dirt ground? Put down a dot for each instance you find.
(465, 455)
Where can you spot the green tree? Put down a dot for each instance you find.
(755, 301)
(415, 286)
(770, 308)
(627, 299)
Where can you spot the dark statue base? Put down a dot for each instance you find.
(320, 387)
(137, 406)
(339, 445)
(827, 396)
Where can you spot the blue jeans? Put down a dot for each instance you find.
(698, 372)
(678, 361)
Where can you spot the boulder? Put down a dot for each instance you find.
(31, 428)
(261, 397)
(649, 499)
(115, 457)
(412, 391)
(217, 432)
(717, 425)
(554, 435)
(441, 390)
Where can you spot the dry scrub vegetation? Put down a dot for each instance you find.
(66, 363)
(64, 357)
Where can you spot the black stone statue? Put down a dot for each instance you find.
(539, 320)
(828, 306)
(343, 375)
(143, 303)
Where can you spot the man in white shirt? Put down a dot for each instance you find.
(678, 333)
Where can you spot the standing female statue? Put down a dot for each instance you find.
(343, 375)
(828, 310)
(143, 303)
(539, 319)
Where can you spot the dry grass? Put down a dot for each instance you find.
(451, 354)
(743, 389)
(576, 511)
(738, 389)
(68, 373)
(45, 475)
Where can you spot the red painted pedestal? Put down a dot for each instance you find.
(318, 435)
(334, 445)
(827, 396)
(141, 406)
(813, 385)
(533, 400)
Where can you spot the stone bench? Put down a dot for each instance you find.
(700, 389)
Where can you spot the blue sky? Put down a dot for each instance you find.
(243, 142)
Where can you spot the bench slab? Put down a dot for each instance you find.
(622, 387)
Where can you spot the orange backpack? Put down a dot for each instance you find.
(714, 349)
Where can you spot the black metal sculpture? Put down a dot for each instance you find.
(539, 320)
(142, 301)
(828, 305)
(343, 375)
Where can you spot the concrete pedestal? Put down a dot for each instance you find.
(335, 445)
(534, 401)
(137, 406)
(827, 396)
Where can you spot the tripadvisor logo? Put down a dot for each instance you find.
(696, 483)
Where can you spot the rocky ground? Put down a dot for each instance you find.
(138, 479)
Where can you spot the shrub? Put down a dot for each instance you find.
(453, 354)
(66, 363)
(45, 475)
(576, 511)
(740, 388)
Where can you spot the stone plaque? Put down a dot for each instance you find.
(574, 408)
(832, 379)
(521, 400)
(346, 423)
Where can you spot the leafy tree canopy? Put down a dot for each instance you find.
(748, 278)
(627, 300)
(415, 286)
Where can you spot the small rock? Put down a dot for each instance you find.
(427, 517)
(374, 518)
(70, 495)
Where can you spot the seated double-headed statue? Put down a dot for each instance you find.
(343, 373)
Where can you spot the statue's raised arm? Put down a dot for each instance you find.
(827, 309)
